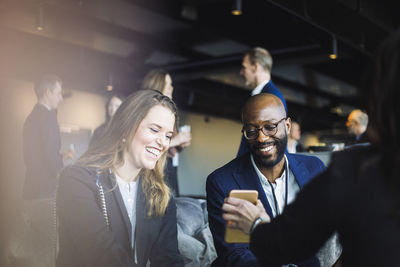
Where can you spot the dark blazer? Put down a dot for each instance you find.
(97, 133)
(240, 174)
(271, 89)
(84, 238)
(41, 148)
(354, 198)
(362, 138)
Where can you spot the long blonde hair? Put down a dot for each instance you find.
(155, 80)
(107, 151)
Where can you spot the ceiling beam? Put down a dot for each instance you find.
(27, 56)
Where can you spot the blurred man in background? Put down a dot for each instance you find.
(356, 124)
(43, 161)
(294, 136)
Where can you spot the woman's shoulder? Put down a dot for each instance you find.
(78, 169)
(351, 164)
(78, 173)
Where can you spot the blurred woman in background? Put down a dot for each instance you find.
(112, 105)
(113, 205)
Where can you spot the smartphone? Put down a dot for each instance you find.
(236, 235)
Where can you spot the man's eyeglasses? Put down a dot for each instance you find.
(268, 129)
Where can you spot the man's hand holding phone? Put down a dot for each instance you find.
(242, 209)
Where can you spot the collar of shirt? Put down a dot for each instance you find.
(128, 191)
(46, 106)
(263, 179)
(279, 188)
(259, 88)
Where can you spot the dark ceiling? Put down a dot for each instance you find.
(90, 42)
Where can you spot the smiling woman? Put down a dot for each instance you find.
(161, 81)
(114, 206)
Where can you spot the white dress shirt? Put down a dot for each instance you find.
(279, 188)
(259, 88)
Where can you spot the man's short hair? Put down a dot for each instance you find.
(47, 81)
(361, 117)
(262, 56)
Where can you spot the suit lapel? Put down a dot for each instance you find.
(247, 179)
(141, 242)
(301, 173)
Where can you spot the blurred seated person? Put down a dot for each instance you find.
(293, 139)
(112, 105)
(356, 124)
(113, 205)
(161, 81)
(358, 195)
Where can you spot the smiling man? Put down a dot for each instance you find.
(277, 176)
(256, 70)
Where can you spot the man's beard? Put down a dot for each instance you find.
(280, 144)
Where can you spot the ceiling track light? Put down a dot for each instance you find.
(39, 18)
(110, 82)
(334, 51)
(237, 7)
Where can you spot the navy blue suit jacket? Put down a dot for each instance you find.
(271, 89)
(240, 174)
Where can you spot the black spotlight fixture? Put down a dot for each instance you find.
(237, 7)
(110, 83)
(39, 18)
(334, 52)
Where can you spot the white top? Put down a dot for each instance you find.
(279, 187)
(259, 87)
(129, 191)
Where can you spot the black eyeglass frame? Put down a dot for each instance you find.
(262, 128)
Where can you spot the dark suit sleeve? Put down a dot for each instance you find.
(51, 144)
(165, 250)
(301, 230)
(82, 225)
(228, 254)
